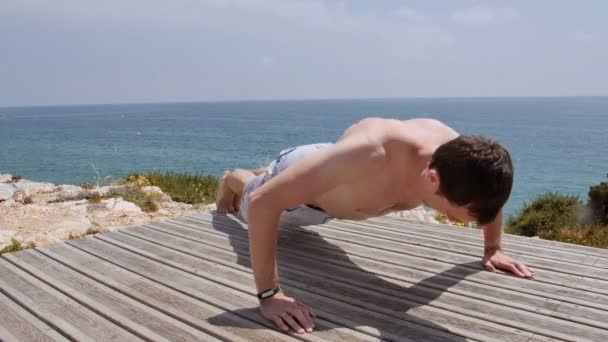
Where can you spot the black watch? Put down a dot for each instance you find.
(268, 293)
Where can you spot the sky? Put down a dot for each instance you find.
(136, 51)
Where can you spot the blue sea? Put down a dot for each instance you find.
(558, 144)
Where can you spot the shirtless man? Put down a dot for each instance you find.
(376, 167)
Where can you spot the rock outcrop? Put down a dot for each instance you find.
(41, 213)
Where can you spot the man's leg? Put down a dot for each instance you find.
(230, 190)
(259, 171)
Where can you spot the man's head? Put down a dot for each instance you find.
(474, 175)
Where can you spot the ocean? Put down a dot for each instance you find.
(557, 144)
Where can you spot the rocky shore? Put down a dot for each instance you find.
(41, 213)
(35, 213)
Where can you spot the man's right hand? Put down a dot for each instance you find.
(287, 313)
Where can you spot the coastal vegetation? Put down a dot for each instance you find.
(13, 247)
(565, 218)
(182, 187)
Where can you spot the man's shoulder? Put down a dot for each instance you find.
(418, 133)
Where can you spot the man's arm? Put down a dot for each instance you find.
(348, 161)
(343, 163)
(493, 256)
(492, 234)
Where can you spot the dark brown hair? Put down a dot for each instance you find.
(476, 172)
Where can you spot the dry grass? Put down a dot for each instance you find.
(587, 235)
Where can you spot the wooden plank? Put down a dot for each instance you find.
(537, 338)
(367, 234)
(16, 324)
(516, 239)
(414, 234)
(237, 278)
(366, 282)
(551, 273)
(601, 262)
(233, 277)
(123, 311)
(381, 252)
(591, 285)
(298, 251)
(187, 309)
(207, 287)
(62, 313)
(290, 278)
(448, 301)
(315, 258)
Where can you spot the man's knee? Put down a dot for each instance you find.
(238, 179)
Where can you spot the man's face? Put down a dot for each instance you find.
(455, 212)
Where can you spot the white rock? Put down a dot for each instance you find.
(162, 212)
(118, 204)
(70, 192)
(5, 178)
(417, 214)
(73, 227)
(69, 233)
(114, 189)
(6, 191)
(7, 204)
(156, 190)
(209, 207)
(30, 188)
(39, 239)
(69, 187)
(152, 189)
(19, 196)
(6, 237)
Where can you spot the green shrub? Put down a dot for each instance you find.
(545, 216)
(13, 247)
(186, 188)
(598, 202)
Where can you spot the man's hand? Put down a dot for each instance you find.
(287, 313)
(494, 259)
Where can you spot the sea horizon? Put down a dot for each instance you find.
(170, 102)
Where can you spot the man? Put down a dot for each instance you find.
(376, 167)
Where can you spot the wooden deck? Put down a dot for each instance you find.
(188, 279)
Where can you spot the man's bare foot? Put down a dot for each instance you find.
(224, 199)
(236, 203)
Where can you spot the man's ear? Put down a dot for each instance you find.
(432, 176)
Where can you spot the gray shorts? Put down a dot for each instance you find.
(285, 159)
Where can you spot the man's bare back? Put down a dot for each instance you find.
(402, 149)
(377, 166)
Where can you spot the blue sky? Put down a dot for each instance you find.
(125, 51)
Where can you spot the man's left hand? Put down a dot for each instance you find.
(496, 259)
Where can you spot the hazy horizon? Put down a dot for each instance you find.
(79, 52)
(303, 99)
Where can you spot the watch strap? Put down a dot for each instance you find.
(269, 293)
